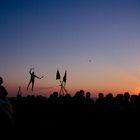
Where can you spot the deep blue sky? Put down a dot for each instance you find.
(66, 34)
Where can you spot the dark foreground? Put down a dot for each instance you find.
(66, 117)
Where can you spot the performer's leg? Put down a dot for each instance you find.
(28, 85)
(65, 90)
(32, 85)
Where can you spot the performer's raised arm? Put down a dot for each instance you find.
(30, 71)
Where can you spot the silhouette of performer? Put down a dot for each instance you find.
(3, 91)
(32, 79)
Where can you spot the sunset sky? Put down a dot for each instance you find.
(96, 41)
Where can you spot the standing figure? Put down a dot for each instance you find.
(32, 79)
(6, 111)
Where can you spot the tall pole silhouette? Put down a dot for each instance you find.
(62, 82)
(19, 93)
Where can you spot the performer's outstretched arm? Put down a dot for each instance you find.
(39, 77)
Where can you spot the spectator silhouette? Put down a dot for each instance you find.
(127, 100)
(88, 100)
(32, 79)
(100, 102)
(3, 91)
(6, 113)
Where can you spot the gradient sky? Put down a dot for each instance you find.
(96, 41)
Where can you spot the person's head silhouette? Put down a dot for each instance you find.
(3, 91)
(1, 80)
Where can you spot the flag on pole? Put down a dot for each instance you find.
(57, 74)
(65, 77)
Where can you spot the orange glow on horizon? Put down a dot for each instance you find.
(46, 91)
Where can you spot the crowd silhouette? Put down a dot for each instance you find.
(66, 113)
(60, 114)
